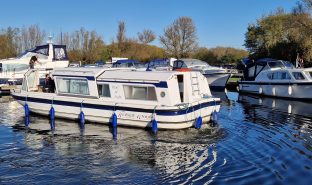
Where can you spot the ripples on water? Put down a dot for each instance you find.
(257, 141)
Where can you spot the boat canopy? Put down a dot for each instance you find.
(59, 52)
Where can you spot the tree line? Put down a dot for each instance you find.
(282, 35)
(179, 40)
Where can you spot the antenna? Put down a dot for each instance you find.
(61, 38)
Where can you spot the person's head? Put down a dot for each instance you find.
(34, 58)
(47, 75)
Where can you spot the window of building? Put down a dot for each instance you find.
(73, 86)
(140, 93)
(104, 90)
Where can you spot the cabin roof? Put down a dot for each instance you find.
(78, 71)
(136, 75)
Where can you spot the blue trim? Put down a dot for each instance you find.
(91, 78)
(172, 112)
(161, 84)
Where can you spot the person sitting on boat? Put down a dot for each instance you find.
(33, 61)
(49, 84)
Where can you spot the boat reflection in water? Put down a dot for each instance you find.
(281, 115)
(277, 104)
(183, 156)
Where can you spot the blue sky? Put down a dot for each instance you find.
(218, 22)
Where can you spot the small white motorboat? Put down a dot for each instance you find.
(50, 55)
(176, 100)
(276, 78)
(217, 77)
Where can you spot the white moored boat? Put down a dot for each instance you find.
(50, 56)
(217, 77)
(277, 78)
(174, 99)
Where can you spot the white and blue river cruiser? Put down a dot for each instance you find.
(276, 78)
(175, 99)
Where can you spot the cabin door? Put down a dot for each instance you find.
(181, 87)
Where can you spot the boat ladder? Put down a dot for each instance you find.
(195, 84)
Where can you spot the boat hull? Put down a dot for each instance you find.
(284, 90)
(217, 80)
(95, 111)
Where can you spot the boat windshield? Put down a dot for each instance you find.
(159, 63)
(13, 67)
(288, 64)
(194, 62)
(128, 64)
(276, 64)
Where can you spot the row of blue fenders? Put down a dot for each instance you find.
(198, 122)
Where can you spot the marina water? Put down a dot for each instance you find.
(257, 141)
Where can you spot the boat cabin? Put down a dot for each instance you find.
(253, 69)
(167, 88)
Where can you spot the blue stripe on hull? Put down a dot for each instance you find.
(161, 84)
(173, 112)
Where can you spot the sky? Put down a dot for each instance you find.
(218, 22)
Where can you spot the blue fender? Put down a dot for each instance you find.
(198, 122)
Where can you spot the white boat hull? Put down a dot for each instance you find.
(217, 80)
(96, 111)
(283, 90)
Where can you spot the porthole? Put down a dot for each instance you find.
(162, 94)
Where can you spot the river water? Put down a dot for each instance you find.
(256, 141)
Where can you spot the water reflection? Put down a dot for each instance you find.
(283, 105)
(254, 142)
(185, 156)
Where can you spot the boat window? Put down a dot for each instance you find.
(0, 67)
(24, 85)
(104, 90)
(14, 67)
(74, 86)
(309, 74)
(288, 64)
(298, 75)
(270, 76)
(251, 71)
(259, 69)
(276, 64)
(179, 64)
(279, 76)
(60, 54)
(181, 87)
(140, 93)
(284, 76)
